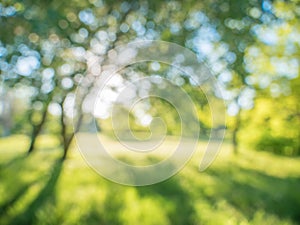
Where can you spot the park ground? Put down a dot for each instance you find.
(250, 188)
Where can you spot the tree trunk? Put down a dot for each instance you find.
(67, 146)
(37, 129)
(235, 142)
(68, 140)
(6, 101)
(298, 142)
(63, 132)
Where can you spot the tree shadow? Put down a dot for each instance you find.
(46, 194)
(19, 176)
(169, 191)
(13, 161)
(172, 191)
(9, 203)
(22, 157)
(15, 181)
(250, 190)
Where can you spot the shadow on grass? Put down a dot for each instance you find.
(15, 183)
(13, 161)
(6, 205)
(172, 192)
(47, 193)
(245, 190)
(250, 190)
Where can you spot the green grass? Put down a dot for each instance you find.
(251, 188)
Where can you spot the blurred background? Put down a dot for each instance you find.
(48, 49)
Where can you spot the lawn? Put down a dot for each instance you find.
(251, 188)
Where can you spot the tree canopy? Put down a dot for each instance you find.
(251, 47)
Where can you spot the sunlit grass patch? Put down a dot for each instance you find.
(250, 188)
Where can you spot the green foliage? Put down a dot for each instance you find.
(278, 145)
(273, 125)
(253, 44)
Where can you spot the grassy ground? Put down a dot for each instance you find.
(252, 188)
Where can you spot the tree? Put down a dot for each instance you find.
(49, 46)
(273, 61)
